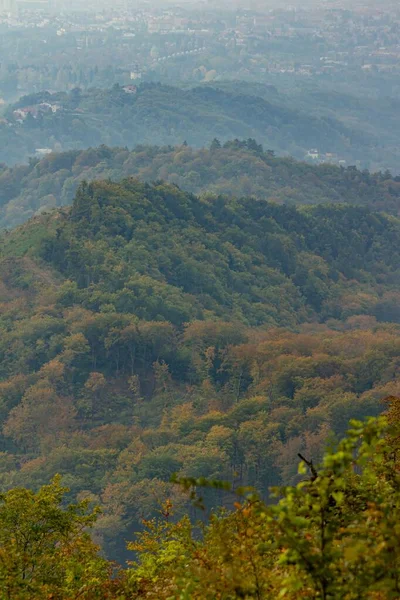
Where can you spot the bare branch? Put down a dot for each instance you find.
(310, 465)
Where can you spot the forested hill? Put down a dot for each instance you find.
(146, 331)
(238, 168)
(159, 114)
(160, 253)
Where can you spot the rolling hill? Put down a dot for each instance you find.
(146, 331)
(238, 168)
(166, 115)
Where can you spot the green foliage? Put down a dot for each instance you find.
(140, 339)
(126, 247)
(164, 115)
(334, 535)
(238, 168)
(44, 550)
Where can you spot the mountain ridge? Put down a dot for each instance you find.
(238, 168)
(163, 115)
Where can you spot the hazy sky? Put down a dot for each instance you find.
(266, 4)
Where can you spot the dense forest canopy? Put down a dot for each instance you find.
(237, 168)
(333, 535)
(147, 331)
(160, 114)
(242, 259)
(199, 287)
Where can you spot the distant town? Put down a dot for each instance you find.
(303, 42)
(327, 60)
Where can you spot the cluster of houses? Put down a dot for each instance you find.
(315, 156)
(20, 114)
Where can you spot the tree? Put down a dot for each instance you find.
(93, 397)
(41, 416)
(215, 144)
(45, 551)
(335, 535)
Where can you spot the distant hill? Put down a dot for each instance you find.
(239, 168)
(374, 119)
(160, 114)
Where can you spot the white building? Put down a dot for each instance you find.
(8, 7)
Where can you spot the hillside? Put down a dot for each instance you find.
(146, 331)
(237, 168)
(374, 116)
(242, 259)
(335, 515)
(166, 115)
